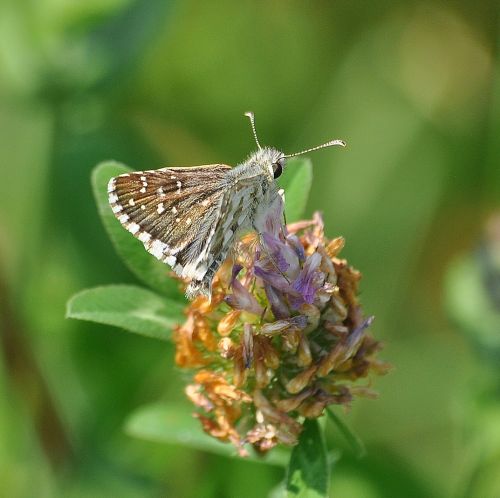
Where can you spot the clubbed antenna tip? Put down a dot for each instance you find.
(331, 143)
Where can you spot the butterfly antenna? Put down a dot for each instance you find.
(322, 146)
(252, 123)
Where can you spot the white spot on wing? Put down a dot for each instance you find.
(160, 208)
(174, 210)
(143, 190)
(171, 260)
(123, 218)
(156, 248)
(113, 198)
(131, 202)
(144, 237)
(117, 208)
(133, 228)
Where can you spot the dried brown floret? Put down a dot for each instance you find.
(283, 337)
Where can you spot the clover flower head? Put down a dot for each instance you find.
(282, 337)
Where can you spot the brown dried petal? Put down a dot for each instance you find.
(335, 329)
(228, 322)
(335, 246)
(203, 305)
(339, 308)
(291, 403)
(299, 225)
(301, 380)
(226, 348)
(263, 375)
(312, 408)
(240, 373)
(343, 350)
(380, 367)
(290, 341)
(212, 428)
(269, 353)
(186, 353)
(193, 393)
(327, 266)
(219, 390)
(203, 332)
(229, 393)
(247, 344)
(329, 361)
(271, 414)
(304, 356)
(364, 392)
(263, 437)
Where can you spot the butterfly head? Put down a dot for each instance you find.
(271, 161)
(274, 159)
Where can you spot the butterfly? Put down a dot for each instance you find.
(191, 217)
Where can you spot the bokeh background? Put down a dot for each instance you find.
(414, 89)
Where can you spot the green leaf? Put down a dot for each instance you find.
(354, 441)
(131, 308)
(145, 266)
(174, 424)
(296, 181)
(308, 470)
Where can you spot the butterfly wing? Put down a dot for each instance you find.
(239, 205)
(172, 211)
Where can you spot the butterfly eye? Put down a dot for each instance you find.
(278, 167)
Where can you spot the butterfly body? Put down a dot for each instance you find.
(191, 217)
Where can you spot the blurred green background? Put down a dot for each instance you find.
(414, 89)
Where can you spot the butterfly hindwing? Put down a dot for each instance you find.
(237, 207)
(172, 211)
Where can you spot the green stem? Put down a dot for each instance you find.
(354, 441)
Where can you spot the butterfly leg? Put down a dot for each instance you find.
(281, 193)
